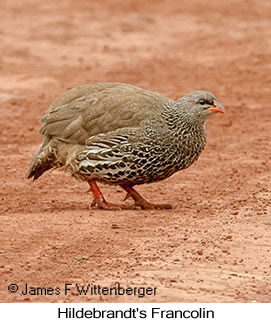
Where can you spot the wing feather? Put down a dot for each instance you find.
(99, 108)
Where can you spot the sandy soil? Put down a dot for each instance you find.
(215, 245)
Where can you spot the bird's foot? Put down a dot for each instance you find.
(141, 202)
(110, 206)
(100, 202)
(145, 205)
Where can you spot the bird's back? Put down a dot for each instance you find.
(99, 108)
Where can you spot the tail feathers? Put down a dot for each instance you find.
(37, 170)
(42, 160)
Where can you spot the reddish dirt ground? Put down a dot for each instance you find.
(215, 244)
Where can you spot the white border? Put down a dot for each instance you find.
(48, 312)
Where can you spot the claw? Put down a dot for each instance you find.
(128, 195)
(141, 201)
(93, 203)
(101, 203)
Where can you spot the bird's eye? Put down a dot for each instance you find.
(202, 101)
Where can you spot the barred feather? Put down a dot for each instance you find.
(117, 133)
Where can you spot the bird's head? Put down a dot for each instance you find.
(201, 105)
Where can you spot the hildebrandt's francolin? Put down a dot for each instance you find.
(123, 135)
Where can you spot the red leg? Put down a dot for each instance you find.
(97, 194)
(140, 201)
(100, 201)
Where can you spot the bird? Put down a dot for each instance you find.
(120, 134)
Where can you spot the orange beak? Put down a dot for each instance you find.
(216, 107)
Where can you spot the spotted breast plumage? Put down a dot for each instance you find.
(124, 135)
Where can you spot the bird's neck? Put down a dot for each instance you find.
(181, 121)
(187, 137)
